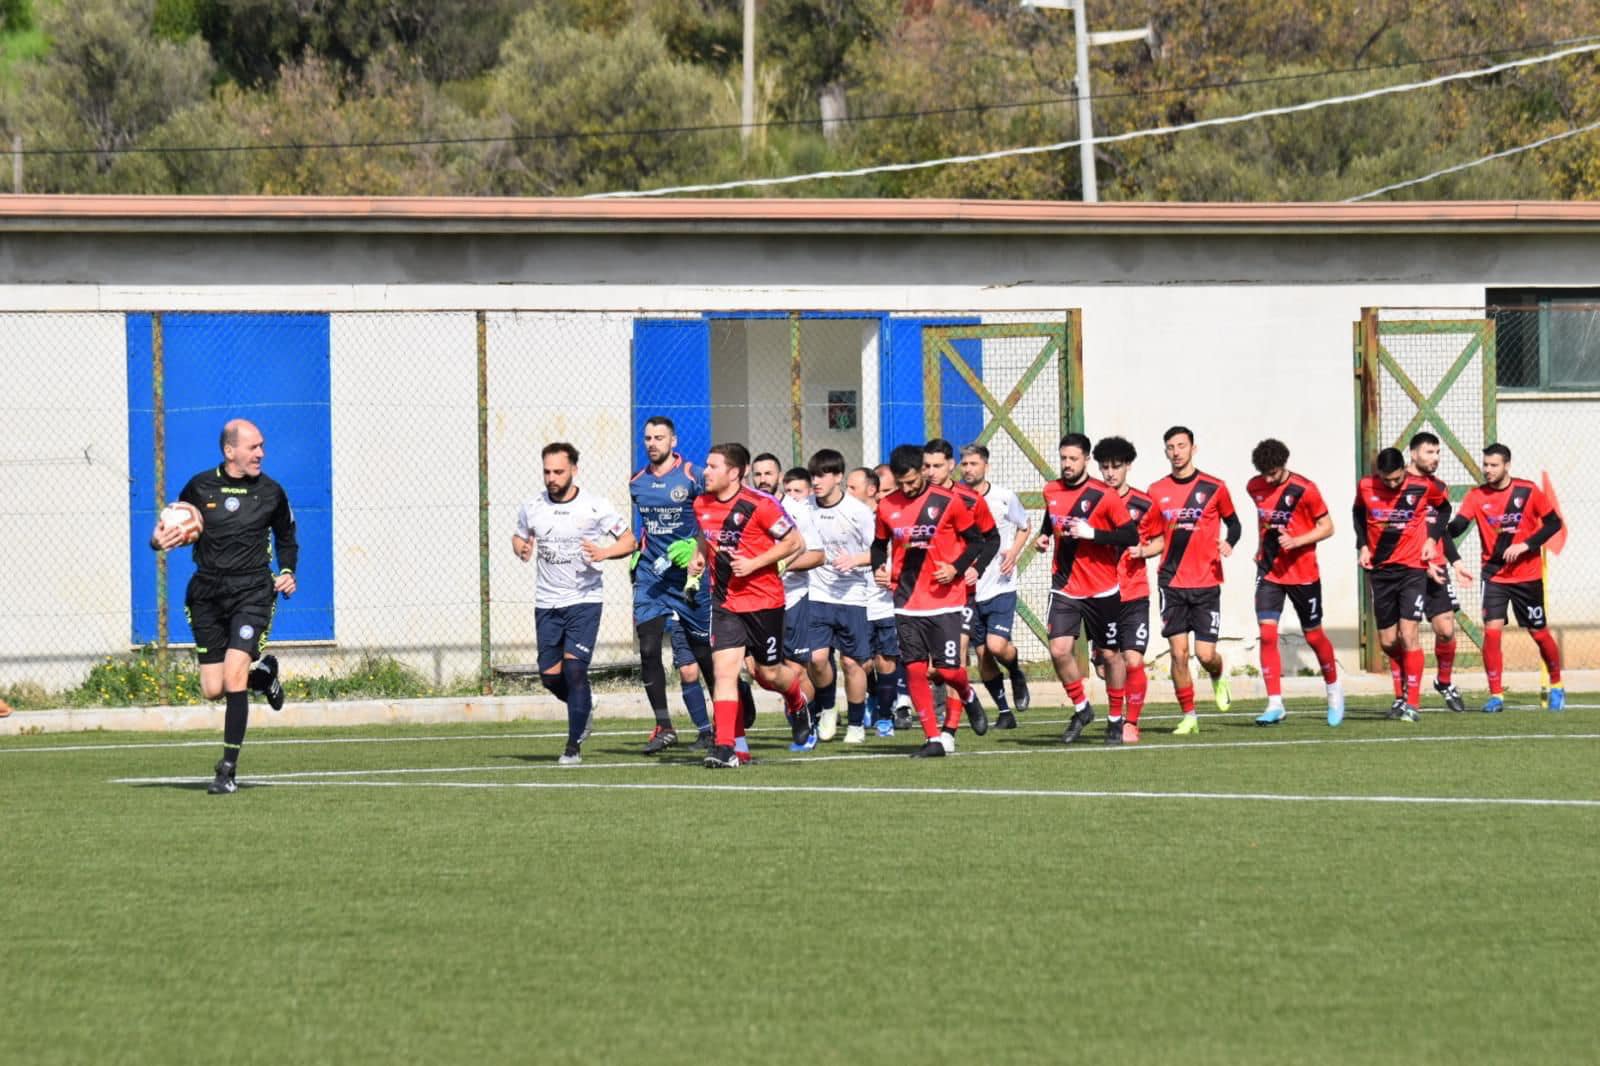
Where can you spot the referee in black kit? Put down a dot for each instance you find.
(233, 594)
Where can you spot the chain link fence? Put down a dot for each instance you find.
(407, 441)
(1526, 375)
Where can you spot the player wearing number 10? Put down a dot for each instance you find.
(1514, 521)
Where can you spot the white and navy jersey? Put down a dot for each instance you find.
(1009, 517)
(846, 527)
(796, 585)
(880, 604)
(663, 507)
(558, 530)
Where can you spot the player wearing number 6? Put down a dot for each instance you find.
(1293, 517)
(1514, 520)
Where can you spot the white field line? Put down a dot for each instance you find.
(306, 776)
(854, 790)
(562, 734)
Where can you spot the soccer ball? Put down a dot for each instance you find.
(185, 516)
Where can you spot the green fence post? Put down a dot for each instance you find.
(485, 671)
(159, 424)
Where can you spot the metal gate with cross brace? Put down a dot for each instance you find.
(1029, 392)
(1434, 373)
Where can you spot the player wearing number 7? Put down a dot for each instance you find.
(1293, 518)
(1514, 520)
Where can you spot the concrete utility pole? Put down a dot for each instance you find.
(1082, 39)
(747, 108)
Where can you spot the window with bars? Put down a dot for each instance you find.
(1546, 339)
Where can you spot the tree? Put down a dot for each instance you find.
(555, 82)
(104, 84)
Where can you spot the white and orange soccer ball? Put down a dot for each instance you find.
(185, 516)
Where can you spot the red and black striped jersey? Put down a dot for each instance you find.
(1505, 517)
(748, 523)
(1188, 513)
(1133, 572)
(924, 531)
(1083, 568)
(1290, 508)
(1393, 523)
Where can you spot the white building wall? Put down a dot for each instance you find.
(1236, 363)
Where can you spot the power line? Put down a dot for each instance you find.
(664, 131)
(1540, 143)
(1155, 131)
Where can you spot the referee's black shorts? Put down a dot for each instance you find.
(228, 612)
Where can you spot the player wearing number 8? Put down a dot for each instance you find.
(1514, 520)
(924, 540)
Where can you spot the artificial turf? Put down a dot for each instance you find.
(1022, 902)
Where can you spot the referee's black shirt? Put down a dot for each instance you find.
(239, 512)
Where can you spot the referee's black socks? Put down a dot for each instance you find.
(233, 725)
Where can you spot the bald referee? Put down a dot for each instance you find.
(233, 594)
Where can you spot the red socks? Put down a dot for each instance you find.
(1548, 652)
(1323, 647)
(1138, 685)
(1115, 698)
(1271, 661)
(1185, 699)
(1444, 653)
(725, 715)
(1074, 691)
(1396, 674)
(957, 690)
(1413, 678)
(921, 694)
(1494, 662)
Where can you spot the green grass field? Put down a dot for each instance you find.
(1378, 893)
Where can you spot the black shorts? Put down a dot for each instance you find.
(968, 613)
(1131, 631)
(759, 633)
(1197, 611)
(1307, 600)
(1397, 592)
(1525, 597)
(229, 613)
(925, 637)
(1096, 615)
(1440, 598)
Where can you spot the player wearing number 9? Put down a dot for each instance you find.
(231, 598)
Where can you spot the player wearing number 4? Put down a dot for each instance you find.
(1396, 516)
(1514, 521)
(1293, 518)
(565, 527)
(1090, 526)
(233, 594)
